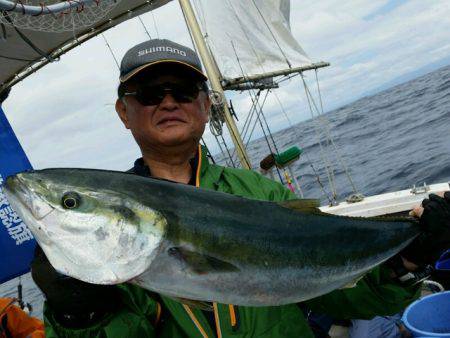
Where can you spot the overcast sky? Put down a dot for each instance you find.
(64, 114)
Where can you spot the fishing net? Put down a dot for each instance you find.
(81, 14)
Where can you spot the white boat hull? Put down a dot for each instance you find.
(388, 203)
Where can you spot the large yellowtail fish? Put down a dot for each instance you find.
(108, 227)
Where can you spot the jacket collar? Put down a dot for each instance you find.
(210, 174)
(203, 173)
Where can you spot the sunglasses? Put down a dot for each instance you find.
(152, 95)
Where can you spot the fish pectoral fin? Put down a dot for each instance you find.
(352, 283)
(305, 205)
(201, 263)
(197, 304)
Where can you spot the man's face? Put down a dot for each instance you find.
(169, 123)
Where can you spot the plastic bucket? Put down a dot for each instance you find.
(429, 316)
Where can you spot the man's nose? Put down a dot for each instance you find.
(168, 102)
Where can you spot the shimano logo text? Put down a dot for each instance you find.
(161, 49)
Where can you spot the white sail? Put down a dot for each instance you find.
(257, 32)
(285, 9)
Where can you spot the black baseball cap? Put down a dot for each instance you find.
(157, 52)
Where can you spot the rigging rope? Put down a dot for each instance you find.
(252, 108)
(254, 97)
(111, 51)
(270, 133)
(255, 100)
(250, 115)
(268, 145)
(260, 113)
(216, 121)
(286, 78)
(305, 153)
(154, 24)
(273, 35)
(145, 28)
(338, 153)
(244, 31)
(328, 167)
(233, 163)
(256, 121)
(319, 91)
(330, 140)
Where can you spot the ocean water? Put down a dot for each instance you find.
(390, 141)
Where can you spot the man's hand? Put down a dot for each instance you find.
(434, 215)
(417, 211)
(74, 303)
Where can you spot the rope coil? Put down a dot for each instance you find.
(216, 115)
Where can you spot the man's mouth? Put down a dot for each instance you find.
(167, 120)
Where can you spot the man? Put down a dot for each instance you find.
(163, 100)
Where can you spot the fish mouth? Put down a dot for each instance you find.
(22, 197)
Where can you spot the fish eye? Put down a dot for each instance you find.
(71, 200)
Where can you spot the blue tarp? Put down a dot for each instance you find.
(16, 241)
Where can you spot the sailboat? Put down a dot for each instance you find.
(255, 53)
(257, 50)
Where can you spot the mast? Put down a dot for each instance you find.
(214, 77)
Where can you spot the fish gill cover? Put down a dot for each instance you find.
(16, 241)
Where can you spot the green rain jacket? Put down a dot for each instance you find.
(148, 315)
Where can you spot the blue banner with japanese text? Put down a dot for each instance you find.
(16, 241)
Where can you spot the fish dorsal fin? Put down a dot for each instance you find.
(199, 262)
(305, 205)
